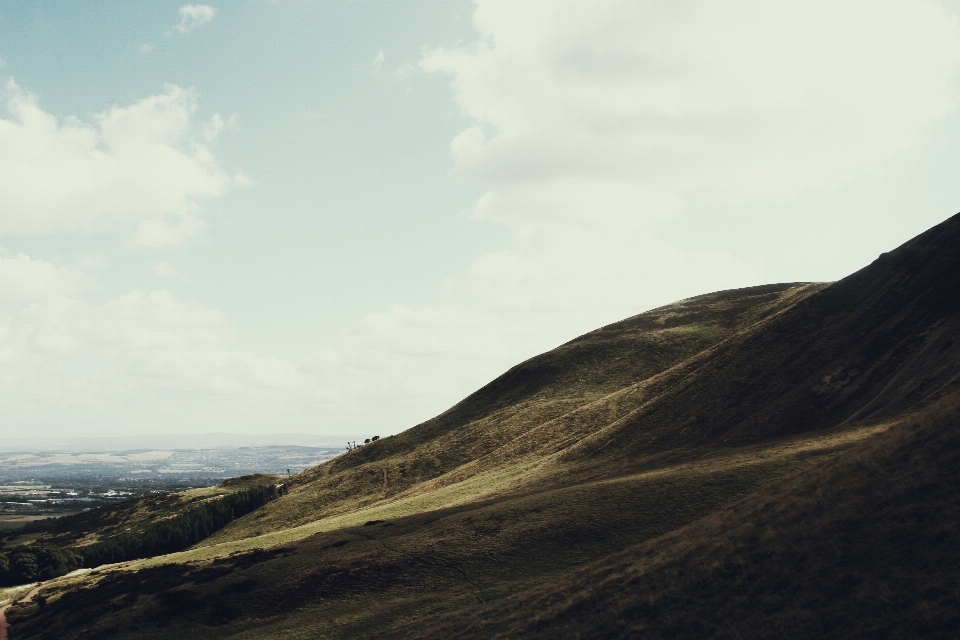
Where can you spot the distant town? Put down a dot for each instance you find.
(38, 485)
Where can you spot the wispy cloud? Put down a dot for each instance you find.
(165, 270)
(193, 16)
(216, 124)
(132, 351)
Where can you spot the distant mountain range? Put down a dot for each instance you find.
(778, 461)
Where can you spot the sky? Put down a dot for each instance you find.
(341, 218)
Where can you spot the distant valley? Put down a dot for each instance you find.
(168, 464)
(36, 485)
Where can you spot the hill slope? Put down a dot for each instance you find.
(646, 437)
(498, 434)
(865, 545)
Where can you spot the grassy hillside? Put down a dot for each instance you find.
(510, 428)
(865, 545)
(354, 580)
(748, 462)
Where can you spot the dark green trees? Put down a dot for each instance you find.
(182, 531)
(36, 562)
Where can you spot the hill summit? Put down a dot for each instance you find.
(764, 462)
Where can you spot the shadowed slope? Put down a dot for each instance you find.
(865, 545)
(877, 343)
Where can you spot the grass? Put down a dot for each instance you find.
(865, 545)
(446, 556)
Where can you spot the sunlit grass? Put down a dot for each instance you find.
(782, 457)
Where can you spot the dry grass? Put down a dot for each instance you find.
(865, 545)
(434, 557)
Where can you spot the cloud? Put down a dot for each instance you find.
(136, 165)
(26, 280)
(405, 70)
(378, 61)
(608, 120)
(748, 99)
(412, 360)
(165, 270)
(126, 357)
(213, 127)
(595, 126)
(166, 233)
(241, 179)
(193, 16)
(146, 48)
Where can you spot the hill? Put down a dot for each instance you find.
(136, 528)
(627, 482)
(865, 545)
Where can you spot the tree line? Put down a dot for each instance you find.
(36, 562)
(43, 561)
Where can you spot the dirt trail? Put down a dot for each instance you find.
(4, 625)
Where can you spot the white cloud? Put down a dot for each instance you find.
(157, 232)
(146, 48)
(411, 361)
(378, 61)
(594, 125)
(405, 70)
(193, 16)
(127, 356)
(216, 124)
(26, 280)
(741, 99)
(241, 179)
(213, 128)
(139, 164)
(165, 270)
